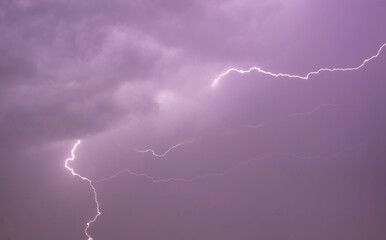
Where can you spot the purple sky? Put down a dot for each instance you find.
(257, 156)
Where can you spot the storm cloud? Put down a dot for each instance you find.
(265, 157)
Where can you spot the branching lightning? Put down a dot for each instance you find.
(185, 180)
(72, 158)
(313, 110)
(262, 124)
(306, 77)
(166, 152)
(259, 125)
(167, 180)
(223, 173)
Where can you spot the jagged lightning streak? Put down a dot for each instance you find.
(72, 158)
(262, 124)
(221, 174)
(166, 152)
(214, 83)
(306, 77)
(167, 180)
(294, 115)
(312, 111)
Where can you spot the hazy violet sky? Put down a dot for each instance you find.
(168, 154)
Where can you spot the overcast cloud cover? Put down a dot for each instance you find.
(262, 157)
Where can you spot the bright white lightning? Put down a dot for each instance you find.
(167, 180)
(72, 158)
(214, 83)
(166, 152)
(306, 77)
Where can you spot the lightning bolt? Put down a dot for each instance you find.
(256, 126)
(167, 180)
(188, 180)
(306, 77)
(166, 152)
(313, 110)
(184, 180)
(226, 172)
(72, 158)
(295, 115)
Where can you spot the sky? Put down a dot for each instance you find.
(167, 151)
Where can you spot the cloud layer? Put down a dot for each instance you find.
(126, 75)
